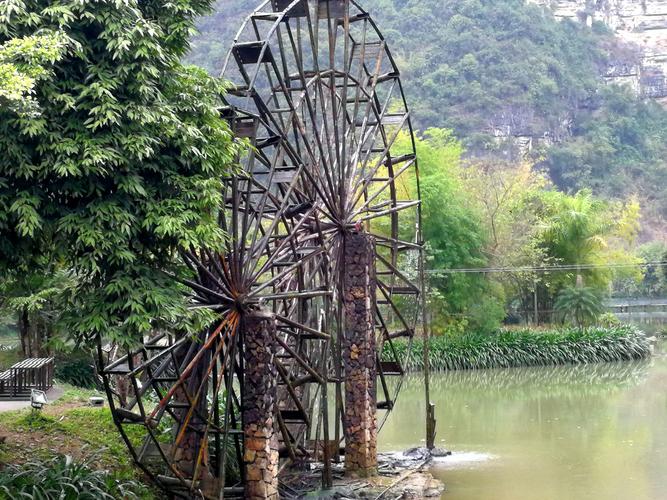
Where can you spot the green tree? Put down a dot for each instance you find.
(123, 164)
(586, 233)
(575, 228)
(37, 301)
(655, 278)
(504, 191)
(23, 62)
(653, 282)
(506, 194)
(453, 230)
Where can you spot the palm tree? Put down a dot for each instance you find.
(577, 228)
(580, 305)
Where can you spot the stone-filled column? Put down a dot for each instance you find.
(259, 403)
(359, 353)
(186, 454)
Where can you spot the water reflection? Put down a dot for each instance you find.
(648, 322)
(581, 432)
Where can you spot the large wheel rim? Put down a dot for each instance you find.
(287, 215)
(293, 62)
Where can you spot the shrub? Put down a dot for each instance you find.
(76, 368)
(60, 478)
(529, 348)
(609, 320)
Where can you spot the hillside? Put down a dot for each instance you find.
(490, 67)
(512, 81)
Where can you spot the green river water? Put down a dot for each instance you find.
(570, 432)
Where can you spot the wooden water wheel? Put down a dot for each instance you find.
(328, 192)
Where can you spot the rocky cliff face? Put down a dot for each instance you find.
(641, 24)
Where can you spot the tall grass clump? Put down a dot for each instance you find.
(526, 347)
(61, 478)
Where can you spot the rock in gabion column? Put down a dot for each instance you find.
(259, 403)
(187, 452)
(359, 356)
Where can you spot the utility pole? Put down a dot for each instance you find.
(536, 312)
(430, 407)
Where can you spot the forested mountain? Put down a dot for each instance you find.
(511, 80)
(473, 65)
(216, 33)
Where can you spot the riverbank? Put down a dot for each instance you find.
(526, 347)
(74, 444)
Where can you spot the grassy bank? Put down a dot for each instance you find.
(506, 349)
(67, 428)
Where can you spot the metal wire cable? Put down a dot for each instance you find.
(563, 267)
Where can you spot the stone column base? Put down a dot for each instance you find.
(359, 356)
(260, 457)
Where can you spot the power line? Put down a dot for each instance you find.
(538, 269)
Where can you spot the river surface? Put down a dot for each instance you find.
(593, 432)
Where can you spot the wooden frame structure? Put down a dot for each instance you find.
(318, 96)
(22, 377)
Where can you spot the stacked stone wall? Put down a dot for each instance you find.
(259, 404)
(359, 356)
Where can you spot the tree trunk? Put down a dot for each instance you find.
(37, 334)
(24, 332)
(46, 340)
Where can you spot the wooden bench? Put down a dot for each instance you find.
(22, 377)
